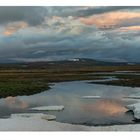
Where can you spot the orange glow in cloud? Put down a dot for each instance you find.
(131, 28)
(111, 107)
(106, 107)
(14, 102)
(12, 28)
(109, 20)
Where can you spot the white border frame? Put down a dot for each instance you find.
(69, 2)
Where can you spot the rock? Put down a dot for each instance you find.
(26, 115)
(34, 115)
(91, 97)
(136, 109)
(48, 117)
(132, 97)
(48, 108)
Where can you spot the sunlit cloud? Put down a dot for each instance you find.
(14, 102)
(109, 20)
(13, 27)
(57, 33)
(106, 107)
(130, 28)
(111, 107)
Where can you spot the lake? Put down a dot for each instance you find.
(109, 109)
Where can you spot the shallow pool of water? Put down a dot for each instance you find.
(109, 109)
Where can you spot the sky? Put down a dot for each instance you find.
(30, 34)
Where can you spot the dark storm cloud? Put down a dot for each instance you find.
(64, 11)
(35, 15)
(47, 42)
(31, 15)
(100, 10)
(112, 46)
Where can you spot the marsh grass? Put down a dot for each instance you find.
(16, 81)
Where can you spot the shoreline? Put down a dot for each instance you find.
(18, 122)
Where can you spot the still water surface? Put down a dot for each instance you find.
(109, 109)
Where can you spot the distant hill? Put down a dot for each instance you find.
(70, 63)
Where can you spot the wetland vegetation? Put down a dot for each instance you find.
(32, 78)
